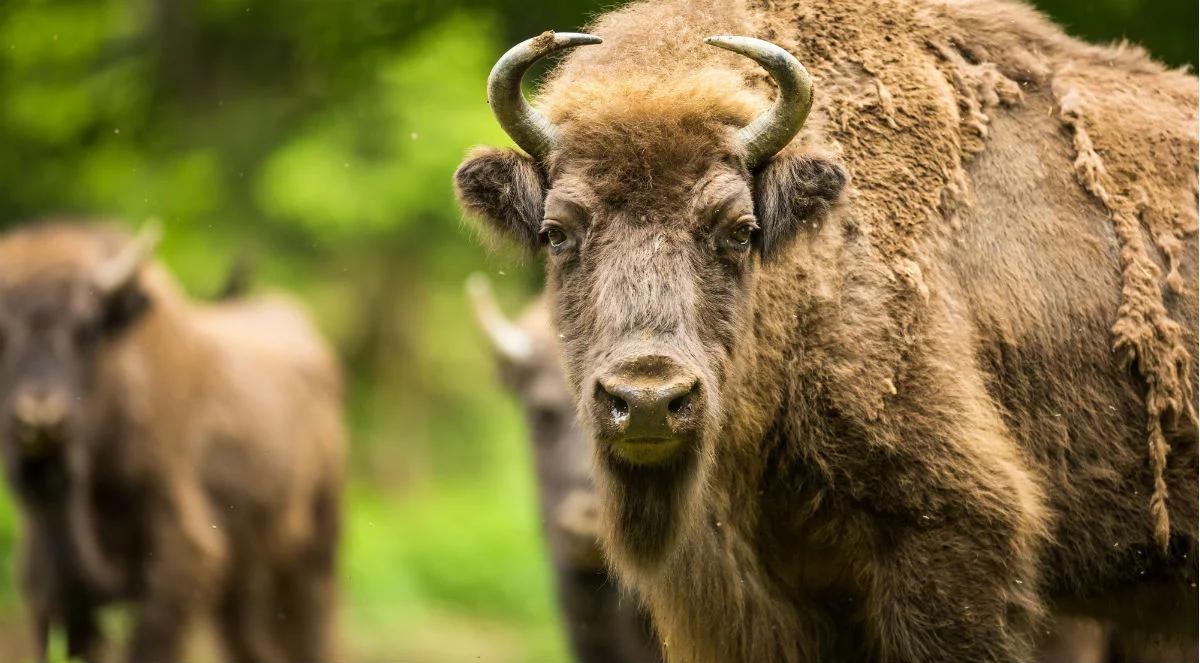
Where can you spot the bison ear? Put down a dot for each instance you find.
(506, 190)
(792, 191)
(124, 306)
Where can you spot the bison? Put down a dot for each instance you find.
(883, 377)
(183, 457)
(603, 625)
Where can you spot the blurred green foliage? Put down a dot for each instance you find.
(318, 138)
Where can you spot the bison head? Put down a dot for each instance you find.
(657, 203)
(62, 297)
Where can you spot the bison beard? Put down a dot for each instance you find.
(650, 507)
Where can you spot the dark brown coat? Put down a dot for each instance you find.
(952, 382)
(196, 468)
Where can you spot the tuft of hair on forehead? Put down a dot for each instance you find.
(663, 40)
(58, 246)
(716, 94)
(72, 248)
(653, 79)
(650, 128)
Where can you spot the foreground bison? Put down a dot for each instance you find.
(888, 388)
(183, 457)
(604, 626)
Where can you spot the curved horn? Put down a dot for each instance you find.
(121, 268)
(527, 127)
(774, 129)
(508, 340)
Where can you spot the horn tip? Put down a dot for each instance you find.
(561, 40)
(551, 41)
(509, 341)
(721, 41)
(732, 43)
(153, 227)
(478, 284)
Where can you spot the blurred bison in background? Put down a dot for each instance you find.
(185, 457)
(604, 625)
(891, 390)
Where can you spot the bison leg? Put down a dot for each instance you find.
(39, 635)
(37, 589)
(304, 614)
(954, 594)
(84, 640)
(183, 575)
(243, 611)
(54, 593)
(306, 587)
(51, 596)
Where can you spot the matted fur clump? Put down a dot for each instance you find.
(1149, 340)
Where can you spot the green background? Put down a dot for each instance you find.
(317, 138)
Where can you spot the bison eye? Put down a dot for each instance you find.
(743, 232)
(555, 236)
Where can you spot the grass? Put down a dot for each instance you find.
(454, 573)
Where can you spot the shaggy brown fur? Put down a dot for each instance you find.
(197, 470)
(604, 626)
(924, 401)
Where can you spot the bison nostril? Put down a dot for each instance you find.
(681, 398)
(617, 406)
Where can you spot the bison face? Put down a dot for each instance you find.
(55, 318)
(657, 202)
(649, 275)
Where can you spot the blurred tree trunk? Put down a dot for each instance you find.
(174, 24)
